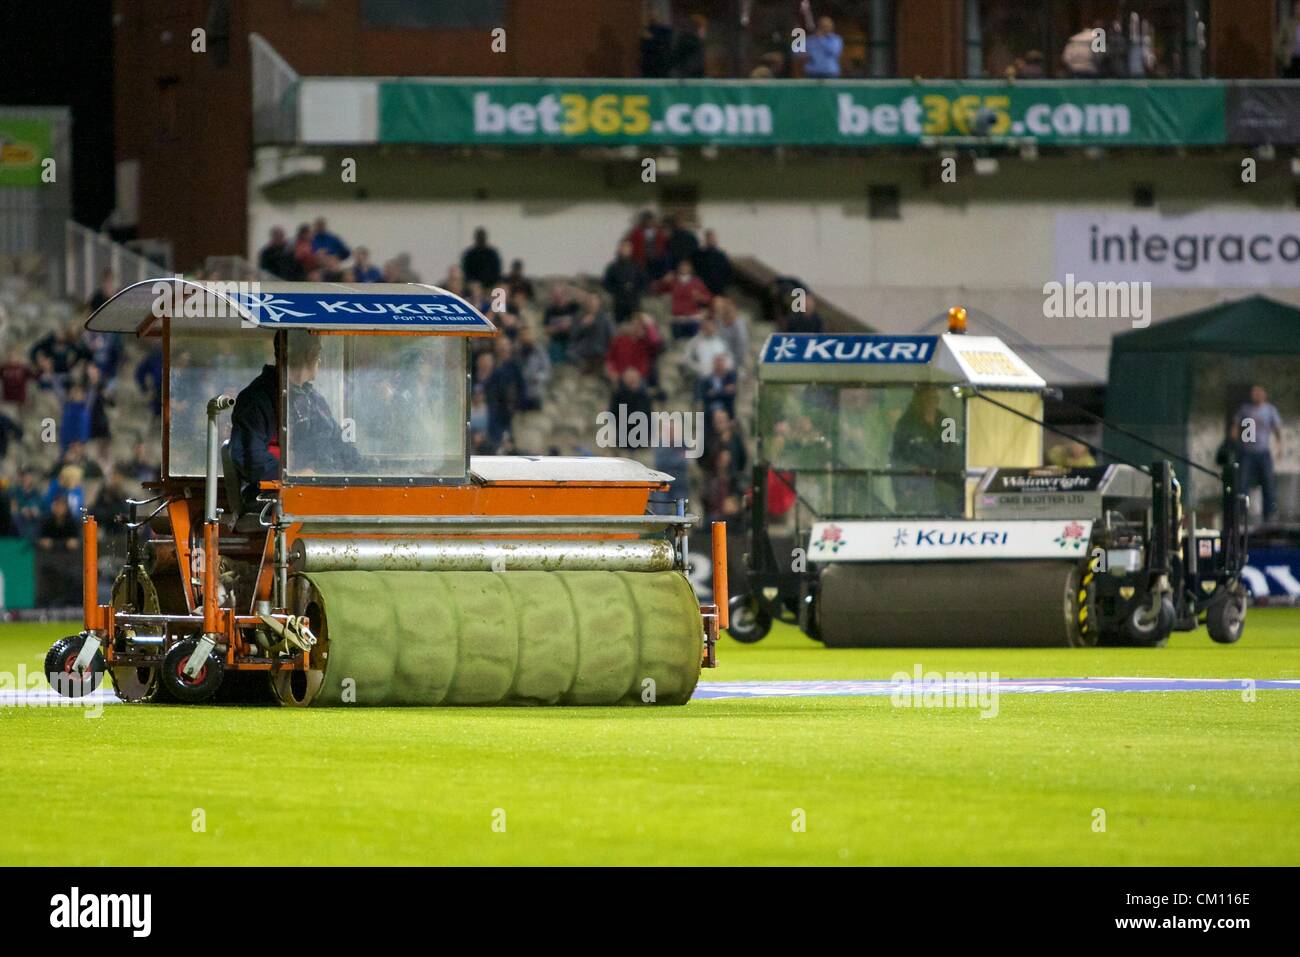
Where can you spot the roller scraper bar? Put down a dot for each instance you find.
(380, 554)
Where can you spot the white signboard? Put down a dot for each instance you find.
(913, 541)
(1255, 249)
(987, 361)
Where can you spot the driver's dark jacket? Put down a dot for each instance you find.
(254, 436)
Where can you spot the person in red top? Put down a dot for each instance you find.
(649, 244)
(14, 376)
(636, 346)
(688, 295)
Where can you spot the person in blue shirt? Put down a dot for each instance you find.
(363, 270)
(824, 46)
(323, 241)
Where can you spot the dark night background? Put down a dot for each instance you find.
(60, 53)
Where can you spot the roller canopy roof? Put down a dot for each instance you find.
(836, 357)
(346, 307)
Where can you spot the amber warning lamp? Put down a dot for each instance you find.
(957, 321)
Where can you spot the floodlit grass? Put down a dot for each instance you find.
(1182, 777)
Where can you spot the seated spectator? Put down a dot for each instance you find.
(1070, 455)
(1079, 58)
(363, 270)
(712, 265)
(558, 319)
(15, 374)
(149, 377)
(75, 455)
(111, 503)
(718, 389)
(453, 282)
(670, 457)
(518, 282)
(824, 46)
(58, 573)
(27, 503)
(589, 339)
(536, 367)
(635, 346)
(78, 406)
(100, 428)
(139, 467)
(480, 262)
(324, 241)
(277, 256)
(649, 245)
(706, 347)
(303, 253)
(66, 488)
(687, 297)
(105, 350)
(626, 281)
(331, 268)
(734, 330)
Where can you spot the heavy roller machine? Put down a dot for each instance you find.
(379, 564)
(900, 499)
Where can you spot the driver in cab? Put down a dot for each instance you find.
(317, 440)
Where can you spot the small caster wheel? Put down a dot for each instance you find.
(1226, 617)
(1148, 630)
(747, 622)
(59, 662)
(181, 686)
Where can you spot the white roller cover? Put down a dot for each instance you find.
(563, 468)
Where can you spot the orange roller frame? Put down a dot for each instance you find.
(720, 597)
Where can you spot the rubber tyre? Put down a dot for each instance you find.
(58, 668)
(1225, 618)
(1153, 633)
(748, 623)
(179, 686)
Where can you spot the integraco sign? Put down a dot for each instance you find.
(791, 112)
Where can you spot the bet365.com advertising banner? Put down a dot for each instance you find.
(1204, 249)
(24, 143)
(746, 113)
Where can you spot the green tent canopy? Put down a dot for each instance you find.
(1177, 383)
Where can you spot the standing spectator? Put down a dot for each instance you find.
(78, 409)
(518, 282)
(734, 329)
(111, 502)
(681, 243)
(276, 257)
(626, 282)
(105, 350)
(15, 374)
(724, 433)
(717, 390)
(1288, 44)
(589, 340)
(58, 572)
(481, 263)
(1080, 60)
(536, 367)
(558, 319)
(806, 319)
(722, 496)
(707, 346)
(656, 47)
(687, 297)
(649, 245)
(363, 270)
(1254, 427)
(688, 48)
(636, 346)
(824, 46)
(712, 265)
(631, 398)
(28, 504)
(324, 241)
(149, 377)
(453, 282)
(104, 291)
(503, 389)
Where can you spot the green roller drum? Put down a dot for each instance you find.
(507, 638)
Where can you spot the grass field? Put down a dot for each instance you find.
(1182, 777)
